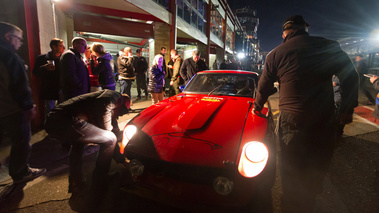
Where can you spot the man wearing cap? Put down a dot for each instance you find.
(304, 65)
(140, 66)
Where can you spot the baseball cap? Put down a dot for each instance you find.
(138, 51)
(296, 20)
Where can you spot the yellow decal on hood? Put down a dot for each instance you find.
(212, 99)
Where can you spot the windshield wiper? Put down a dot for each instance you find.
(215, 89)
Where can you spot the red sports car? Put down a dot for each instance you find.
(205, 145)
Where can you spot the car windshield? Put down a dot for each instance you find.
(222, 84)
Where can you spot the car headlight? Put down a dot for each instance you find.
(223, 185)
(253, 159)
(129, 132)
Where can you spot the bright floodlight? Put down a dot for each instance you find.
(241, 55)
(374, 37)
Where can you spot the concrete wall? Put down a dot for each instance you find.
(161, 39)
(46, 24)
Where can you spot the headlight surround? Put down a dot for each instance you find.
(129, 132)
(253, 159)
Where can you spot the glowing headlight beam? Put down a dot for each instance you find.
(253, 159)
(129, 132)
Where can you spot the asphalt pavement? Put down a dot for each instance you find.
(48, 193)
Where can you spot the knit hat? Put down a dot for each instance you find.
(296, 21)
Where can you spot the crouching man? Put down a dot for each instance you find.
(89, 118)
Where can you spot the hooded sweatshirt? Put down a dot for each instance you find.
(105, 70)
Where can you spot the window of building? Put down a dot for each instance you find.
(179, 4)
(194, 19)
(217, 24)
(187, 13)
(164, 3)
(229, 38)
(192, 11)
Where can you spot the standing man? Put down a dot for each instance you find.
(163, 53)
(304, 65)
(215, 65)
(174, 66)
(140, 65)
(191, 66)
(126, 71)
(233, 65)
(361, 67)
(166, 70)
(16, 104)
(47, 67)
(74, 73)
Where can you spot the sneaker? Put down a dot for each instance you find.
(31, 174)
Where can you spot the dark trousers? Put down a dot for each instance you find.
(79, 133)
(141, 84)
(125, 86)
(364, 90)
(307, 144)
(174, 89)
(18, 128)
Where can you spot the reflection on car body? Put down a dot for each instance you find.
(205, 145)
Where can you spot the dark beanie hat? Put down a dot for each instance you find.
(295, 20)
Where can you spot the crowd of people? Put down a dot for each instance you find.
(82, 106)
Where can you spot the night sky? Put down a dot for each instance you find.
(334, 19)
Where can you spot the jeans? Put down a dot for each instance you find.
(307, 144)
(125, 86)
(79, 133)
(18, 128)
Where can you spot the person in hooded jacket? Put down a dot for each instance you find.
(104, 68)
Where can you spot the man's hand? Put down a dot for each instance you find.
(345, 118)
(30, 113)
(373, 78)
(171, 83)
(258, 113)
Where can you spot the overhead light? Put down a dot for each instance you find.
(149, 22)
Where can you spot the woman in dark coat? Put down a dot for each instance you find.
(104, 68)
(156, 79)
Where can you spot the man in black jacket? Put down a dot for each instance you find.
(74, 73)
(304, 65)
(141, 66)
(191, 66)
(47, 68)
(361, 68)
(89, 118)
(16, 104)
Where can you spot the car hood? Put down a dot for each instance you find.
(195, 129)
